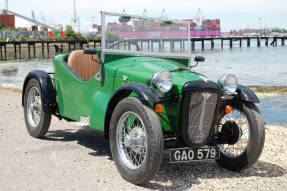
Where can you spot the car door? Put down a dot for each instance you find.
(73, 93)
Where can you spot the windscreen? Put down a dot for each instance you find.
(145, 35)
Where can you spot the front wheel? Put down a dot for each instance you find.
(136, 141)
(244, 134)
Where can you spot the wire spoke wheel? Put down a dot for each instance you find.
(243, 129)
(131, 140)
(136, 140)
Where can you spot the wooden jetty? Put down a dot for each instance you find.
(265, 40)
(46, 48)
(268, 40)
(32, 49)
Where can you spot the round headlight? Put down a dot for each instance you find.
(162, 80)
(228, 83)
(229, 79)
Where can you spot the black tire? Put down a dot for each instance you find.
(154, 153)
(255, 145)
(42, 128)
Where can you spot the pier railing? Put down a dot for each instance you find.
(45, 49)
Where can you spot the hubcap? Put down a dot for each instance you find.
(230, 132)
(131, 140)
(34, 104)
(236, 128)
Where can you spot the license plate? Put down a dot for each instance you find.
(193, 154)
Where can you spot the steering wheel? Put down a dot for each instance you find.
(121, 41)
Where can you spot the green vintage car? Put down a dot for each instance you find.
(141, 91)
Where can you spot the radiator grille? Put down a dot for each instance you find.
(201, 113)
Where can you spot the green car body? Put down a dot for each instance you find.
(77, 98)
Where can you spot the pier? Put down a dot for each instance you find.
(41, 49)
(45, 49)
(221, 41)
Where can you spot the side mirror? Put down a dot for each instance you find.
(199, 59)
(92, 52)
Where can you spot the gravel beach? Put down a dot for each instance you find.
(70, 158)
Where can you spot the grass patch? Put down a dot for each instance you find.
(269, 89)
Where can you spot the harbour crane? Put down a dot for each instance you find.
(75, 20)
(33, 15)
(144, 12)
(163, 14)
(43, 18)
(28, 19)
(199, 17)
(6, 4)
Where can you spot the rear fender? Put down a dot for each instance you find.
(47, 89)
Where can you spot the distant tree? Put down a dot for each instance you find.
(2, 26)
(279, 30)
(93, 36)
(80, 36)
(70, 34)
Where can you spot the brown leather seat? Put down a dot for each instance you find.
(83, 64)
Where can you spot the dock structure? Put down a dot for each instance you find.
(32, 49)
(231, 41)
(41, 49)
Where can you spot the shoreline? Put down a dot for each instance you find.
(269, 91)
(261, 91)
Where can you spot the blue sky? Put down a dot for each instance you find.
(234, 14)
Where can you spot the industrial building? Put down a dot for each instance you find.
(8, 20)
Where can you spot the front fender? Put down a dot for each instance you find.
(246, 94)
(47, 89)
(142, 91)
(143, 94)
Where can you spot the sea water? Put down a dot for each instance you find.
(252, 66)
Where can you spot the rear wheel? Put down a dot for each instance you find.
(37, 121)
(136, 141)
(244, 131)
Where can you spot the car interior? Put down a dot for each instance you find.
(83, 64)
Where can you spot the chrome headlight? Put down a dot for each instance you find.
(162, 80)
(228, 83)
